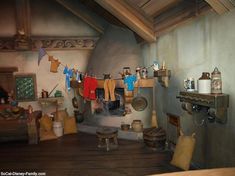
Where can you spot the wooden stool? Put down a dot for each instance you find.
(107, 138)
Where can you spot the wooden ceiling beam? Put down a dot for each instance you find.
(23, 17)
(130, 17)
(228, 4)
(80, 14)
(221, 6)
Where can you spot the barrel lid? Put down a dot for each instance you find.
(154, 131)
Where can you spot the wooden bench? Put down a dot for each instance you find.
(17, 129)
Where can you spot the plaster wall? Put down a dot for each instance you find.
(27, 63)
(46, 21)
(49, 18)
(189, 50)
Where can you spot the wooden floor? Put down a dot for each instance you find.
(78, 155)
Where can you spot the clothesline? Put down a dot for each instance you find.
(49, 55)
(43, 52)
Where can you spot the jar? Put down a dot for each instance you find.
(44, 94)
(138, 70)
(126, 71)
(204, 83)
(216, 82)
(137, 125)
(144, 73)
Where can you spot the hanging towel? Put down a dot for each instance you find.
(55, 63)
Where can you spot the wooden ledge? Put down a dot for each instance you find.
(50, 100)
(144, 83)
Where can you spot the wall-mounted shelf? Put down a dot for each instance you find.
(51, 100)
(215, 104)
(56, 101)
(163, 76)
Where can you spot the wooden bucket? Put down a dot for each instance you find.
(155, 138)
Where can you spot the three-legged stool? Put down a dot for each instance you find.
(107, 138)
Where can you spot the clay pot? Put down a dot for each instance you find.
(78, 116)
(137, 125)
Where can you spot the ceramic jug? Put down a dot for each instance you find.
(204, 83)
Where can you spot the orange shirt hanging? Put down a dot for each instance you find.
(54, 64)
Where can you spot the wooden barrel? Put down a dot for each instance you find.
(155, 138)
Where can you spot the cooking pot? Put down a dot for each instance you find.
(139, 103)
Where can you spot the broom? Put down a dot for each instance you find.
(154, 122)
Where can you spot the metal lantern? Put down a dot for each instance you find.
(216, 81)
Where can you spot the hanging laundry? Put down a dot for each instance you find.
(78, 77)
(68, 74)
(130, 81)
(109, 89)
(90, 85)
(74, 75)
(54, 64)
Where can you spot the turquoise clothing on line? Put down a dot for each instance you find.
(130, 81)
(69, 73)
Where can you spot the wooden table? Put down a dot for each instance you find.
(205, 172)
(107, 137)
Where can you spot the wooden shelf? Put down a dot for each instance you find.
(163, 76)
(54, 100)
(216, 104)
(147, 83)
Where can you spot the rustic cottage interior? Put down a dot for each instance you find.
(117, 87)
